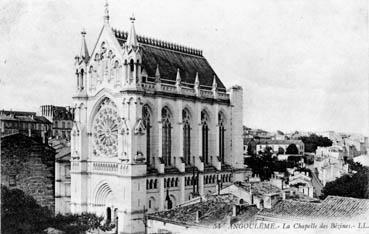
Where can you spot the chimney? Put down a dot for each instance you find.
(235, 210)
(198, 216)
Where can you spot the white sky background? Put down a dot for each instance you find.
(303, 64)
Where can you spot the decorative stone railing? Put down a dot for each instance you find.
(185, 90)
(107, 167)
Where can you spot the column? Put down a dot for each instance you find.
(161, 193)
(182, 189)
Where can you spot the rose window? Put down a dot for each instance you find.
(105, 131)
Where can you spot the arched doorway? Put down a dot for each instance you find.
(108, 215)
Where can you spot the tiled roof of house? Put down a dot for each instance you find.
(330, 208)
(291, 209)
(62, 113)
(170, 57)
(335, 206)
(278, 142)
(215, 209)
(63, 154)
(29, 117)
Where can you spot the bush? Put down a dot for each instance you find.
(20, 214)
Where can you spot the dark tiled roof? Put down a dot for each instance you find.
(334, 206)
(331, 207)
(170, 57)
(62, 113)
(291, 209)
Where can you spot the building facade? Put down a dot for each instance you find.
(154, 127)
(61, 118)
(28, 165)
(26, 123)
(62, 180)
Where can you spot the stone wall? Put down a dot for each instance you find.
(28, 165)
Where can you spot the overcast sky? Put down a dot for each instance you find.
(303, 65)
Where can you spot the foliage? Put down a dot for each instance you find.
(355, 185)
(20, 213)
(280, 150)
(292, 149)
(264, 165)
(313, 141)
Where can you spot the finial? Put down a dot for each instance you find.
(178, 78)
(132, 37)
(157, 72)
(215, 84)
(83, 32)
(106, 15)
(132, 18)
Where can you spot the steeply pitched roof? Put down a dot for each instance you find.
(170, 57)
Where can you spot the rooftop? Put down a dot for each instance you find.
(331, 207)
(278, 142)
(170, 57)
(213, 209)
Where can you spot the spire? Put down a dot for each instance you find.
(106, 12)
(197, 85)
(178, 81)
(132, 37)
(157, 72)
(84, 55)
(178, 78)
(215, 85)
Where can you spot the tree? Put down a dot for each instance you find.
(292, 149)
(313, 141)
(355, 185)
(20, 213)
(280, 150)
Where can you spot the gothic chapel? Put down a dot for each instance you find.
(154, 127)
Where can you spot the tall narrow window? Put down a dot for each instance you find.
(166, 138)
(186, 137)
(205, 137)
(221, 136)
(147, 122)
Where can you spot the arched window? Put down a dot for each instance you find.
(81, 76)
(186, 136)
(146, 115)
(166, 136)
(221, 135)
(131, 65)
(205, 136)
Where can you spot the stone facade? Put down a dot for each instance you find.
(62, 180)
(154, 127)
(28, 165)
(61, 118)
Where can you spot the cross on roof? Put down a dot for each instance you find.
(132, 18)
